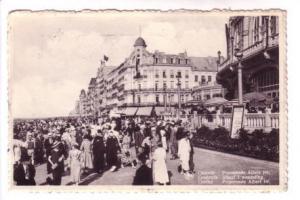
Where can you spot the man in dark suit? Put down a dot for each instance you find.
(24, 172)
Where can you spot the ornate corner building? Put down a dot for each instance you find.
(148, 79)
(256, 38)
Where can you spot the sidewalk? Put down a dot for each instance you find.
(205, 161)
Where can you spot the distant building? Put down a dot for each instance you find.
(81, 105)
(257, 39)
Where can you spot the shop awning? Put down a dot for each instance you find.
(256, 96)
(159, 110)
(215, 101)
(144, 111)
(115, 114)
(130, 111)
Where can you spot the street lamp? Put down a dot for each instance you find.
(219, 60)
(165, 98)
(178, 76)
(239, 55)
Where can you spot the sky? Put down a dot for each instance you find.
(53, 55)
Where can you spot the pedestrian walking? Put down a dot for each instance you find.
(127, 154)
(112, 150)
(48, 148)
(184, 149)
(24, 172)
(75, 163)
(173, 142)
(160, 171)
(143, 175)
(86, 148)
(39, 149)
(56, 160)
(30, 146)
(98, 152)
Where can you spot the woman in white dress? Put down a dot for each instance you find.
(75, 162)
(163, 135)
(160, 171)
(17, 145)
(184, 149)
(86, 148)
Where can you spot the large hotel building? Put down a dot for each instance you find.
(147, 80)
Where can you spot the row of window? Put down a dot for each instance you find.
(179, 75)
(170, 61)
(207, 96)
(170, 99)
(203, 78)
(172, 75)
(174, 84)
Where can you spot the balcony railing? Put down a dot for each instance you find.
(168, 90)
(253, 49)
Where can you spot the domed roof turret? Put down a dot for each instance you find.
(140, 42)
(82, 93)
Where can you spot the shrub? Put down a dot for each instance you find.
(257, 144)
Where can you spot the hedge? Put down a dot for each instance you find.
(257, 144)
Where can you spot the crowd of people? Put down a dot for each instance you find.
(81, 146)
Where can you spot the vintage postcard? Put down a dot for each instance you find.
(180, 100)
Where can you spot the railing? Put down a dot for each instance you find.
(252, 121)
(252, 50)
(274, 120)
(168, 90)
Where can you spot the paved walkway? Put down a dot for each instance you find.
(210, 167)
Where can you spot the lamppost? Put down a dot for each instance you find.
(239, 55)
(219, 60)
(165, 98)
(178, 76)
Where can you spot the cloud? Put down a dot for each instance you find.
(55, 57)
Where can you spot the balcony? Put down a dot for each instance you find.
(159, 90)
(252, 50)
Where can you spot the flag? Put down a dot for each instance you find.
(105, 58)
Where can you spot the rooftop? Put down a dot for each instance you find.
(204, 63)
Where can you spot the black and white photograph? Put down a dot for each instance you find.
(152, 99)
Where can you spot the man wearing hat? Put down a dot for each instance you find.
(48, 147)
(24, 172)
(143, 175)
(98, 152)
(56, 160)
(173, 141)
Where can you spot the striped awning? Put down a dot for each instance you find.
(144, 111)
(130, 111)
(160, 110)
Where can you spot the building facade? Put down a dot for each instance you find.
(150, 79)
(207, 91)
(256, 38)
